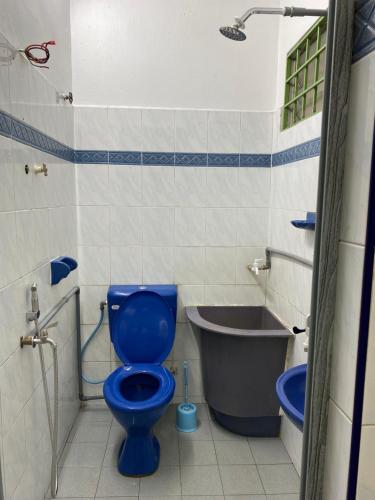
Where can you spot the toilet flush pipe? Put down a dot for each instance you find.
(81, 394)
(87, 342)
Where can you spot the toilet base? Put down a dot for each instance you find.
(139, 455)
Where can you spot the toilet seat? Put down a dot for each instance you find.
(113, 391)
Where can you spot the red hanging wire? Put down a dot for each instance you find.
(38, 61)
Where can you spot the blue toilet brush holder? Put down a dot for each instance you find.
(186, 413)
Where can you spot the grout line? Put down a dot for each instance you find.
(260, 477)
(105, 452)
(217, 459)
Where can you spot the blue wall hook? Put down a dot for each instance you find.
(61, 267)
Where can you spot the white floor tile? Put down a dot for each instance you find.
(90, 432)
(117, 498)
(201, 480)
(83, 455)
(240, 480)
(245, 497)
(233, 453)
(197, 453)
(95, 414)
(78, 481)
(165, 481)
(90, 463)
(111, 454)
(293, 496)
(172, 497)
(169, 451)
(269, 451)
(117, 434)
(112, 483)
(205, 497)
(281, 478)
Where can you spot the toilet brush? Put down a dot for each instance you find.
(186, 413)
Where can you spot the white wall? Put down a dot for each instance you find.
(198, 227)
(293, 193)
(24, 23)
(349, 285)
(170, 54)
(37, 223)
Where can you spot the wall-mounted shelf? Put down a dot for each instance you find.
(61, 268)
(308, 223)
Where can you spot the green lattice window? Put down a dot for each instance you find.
(305, 76)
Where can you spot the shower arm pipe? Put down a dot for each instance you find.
(281, 11)
(291, 256)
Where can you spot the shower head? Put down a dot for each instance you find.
(234, 32)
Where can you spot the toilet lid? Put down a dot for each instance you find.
(143, 328)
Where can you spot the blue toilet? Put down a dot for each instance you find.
(142, 323)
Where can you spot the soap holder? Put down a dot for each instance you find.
(61, 267)
(308, 223)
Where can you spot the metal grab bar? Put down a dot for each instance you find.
(48, 317)
(255, 267)
(291, 256)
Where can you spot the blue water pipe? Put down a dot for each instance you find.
(87, 342)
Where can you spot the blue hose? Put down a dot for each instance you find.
(86, 344)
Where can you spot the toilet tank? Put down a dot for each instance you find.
(118, 293)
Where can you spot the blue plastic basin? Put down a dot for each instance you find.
(290, 388)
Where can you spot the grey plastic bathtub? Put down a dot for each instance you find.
(243, 352)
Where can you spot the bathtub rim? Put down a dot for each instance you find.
(193, 315)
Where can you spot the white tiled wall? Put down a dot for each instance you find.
(351, 255)
(366, 483)
(293, 193)
(37, 223)
(198, 227)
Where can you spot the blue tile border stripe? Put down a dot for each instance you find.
(26, 134)
(125, 157)
(255, 160)
(364, 29)
(156, 159)
(223, 160)
(303, 151)
(90, 156)
(30, 136)
(191, 159)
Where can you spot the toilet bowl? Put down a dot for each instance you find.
(142, 323)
